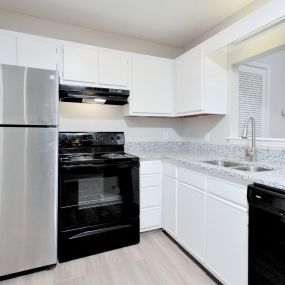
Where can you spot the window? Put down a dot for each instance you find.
(252, 97)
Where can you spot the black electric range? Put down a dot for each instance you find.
(98, 194)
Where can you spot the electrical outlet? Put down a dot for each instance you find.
(165, 136)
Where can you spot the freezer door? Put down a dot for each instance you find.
(28, 198)
(28, 96)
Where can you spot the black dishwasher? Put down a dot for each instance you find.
(266, 235)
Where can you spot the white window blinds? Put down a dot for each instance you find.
(252, 88)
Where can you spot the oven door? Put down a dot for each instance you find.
(98, 194)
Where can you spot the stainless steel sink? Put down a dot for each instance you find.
(223, 163)
(252, 168)
(237, 166)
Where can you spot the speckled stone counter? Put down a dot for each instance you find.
(193, 155)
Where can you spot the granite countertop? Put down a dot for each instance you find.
(194, 160)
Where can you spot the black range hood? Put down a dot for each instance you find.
(92, 95)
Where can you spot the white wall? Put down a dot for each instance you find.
(215, 128)
(41, 27)
(89, 117)
(276, 64)
(232, 19)
(74, 117)
(212, 128)
(82, 117)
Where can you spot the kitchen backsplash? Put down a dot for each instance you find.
(231, 152)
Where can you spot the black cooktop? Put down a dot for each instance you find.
(76, 158)
(92, 148)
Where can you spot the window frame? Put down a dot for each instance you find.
(234, 137)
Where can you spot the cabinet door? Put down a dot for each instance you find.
(191, 220)
(150, 219)
(38, 53)
(80, 63)
(169, 207)
(113, 68)
(152, 85)
(189, 77)
(8, 46)
(227, 241)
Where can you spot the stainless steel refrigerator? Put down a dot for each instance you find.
(28, 168)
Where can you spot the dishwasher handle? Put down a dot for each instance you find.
(267, 198)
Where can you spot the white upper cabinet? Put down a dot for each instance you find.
(80, 63)
(201, 83)
(95, 66)
(152, 88)
(189, 81)
(27, 50)
(113, 68)
(8, 48)
(37, 52)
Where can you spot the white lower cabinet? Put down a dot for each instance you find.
(150, 195)
(226, 241)
(208, 216)
(170, 205)
(150, 219)
(191, 216)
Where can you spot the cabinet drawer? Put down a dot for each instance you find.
(150, 167)
(170, 170)
(228, 190)
(192, 178)
(150, 180)
(150, 197)
(150, 218)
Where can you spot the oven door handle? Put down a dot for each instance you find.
(99, 231)
(100, 166)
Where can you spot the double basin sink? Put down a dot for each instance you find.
(238, 166)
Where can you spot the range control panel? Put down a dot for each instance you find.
(70, 139)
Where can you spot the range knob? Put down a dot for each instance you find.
(117, 137)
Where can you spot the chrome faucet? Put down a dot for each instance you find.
(250, 152)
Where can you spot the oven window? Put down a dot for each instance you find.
(98, 191)
(98, 195)
(93, 187)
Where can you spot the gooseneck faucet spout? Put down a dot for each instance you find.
(252, 152)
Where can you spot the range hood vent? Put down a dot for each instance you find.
(92, 95)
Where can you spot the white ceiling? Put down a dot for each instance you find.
(171, 22)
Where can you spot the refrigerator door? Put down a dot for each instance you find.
(28, 96)
(28, 198)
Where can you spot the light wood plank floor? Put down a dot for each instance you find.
(155, 261)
